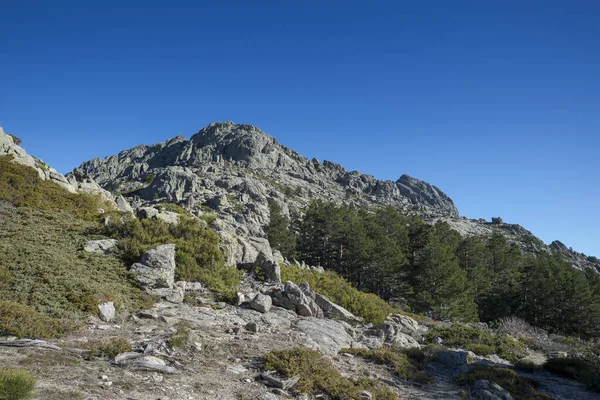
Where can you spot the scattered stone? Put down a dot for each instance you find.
(333, 311)
(261, 303)
(156, 269)
(103, 246)
(106, 311)
(252, 327)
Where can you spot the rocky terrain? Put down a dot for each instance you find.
(234, 170)
(188, 345)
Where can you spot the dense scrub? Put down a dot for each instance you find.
(433, 270)
(319, 376)
(366, 305)
(23, 322)
(42, 265)
(584, 368)
(197, 250)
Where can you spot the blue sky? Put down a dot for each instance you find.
(495, 102)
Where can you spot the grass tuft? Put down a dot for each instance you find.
(16, 384)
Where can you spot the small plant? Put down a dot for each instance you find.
(480, 349)
(526, 366)
(16, 384)
(181, 337)
(108, 348)
(519, 387)
(172, 207)
(208, 218)
(149, 178)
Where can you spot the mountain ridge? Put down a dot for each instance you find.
(237, 168)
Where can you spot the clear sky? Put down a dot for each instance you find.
(495, 102)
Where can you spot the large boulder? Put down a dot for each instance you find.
(261, 303)
(156, 268)
(334, 311)
(326, 335)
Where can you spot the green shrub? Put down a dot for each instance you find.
(16, 384)
(486, 342)
(21, 186)
(480, 349)
(197, 250)
(319, 376)
(181, 337)
(48, 271)
(108, 348)
(173, 208)
(208, 218)
(526, 366)
(585, 371)
(519, 387)
(408, 364)
(366, 305)
(21, 321)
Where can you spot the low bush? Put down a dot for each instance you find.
(516, 328)
(16, 384)
(15, 139)
(526, 366)
(41, 253)
(586, 371)
(366, 305)
(480, 349)
(108, 348)
(23, 322)
(519, 387)
(173, 208)
(486, 342)
(197, 250)
(319, 376)
(181, 336)
(21, 186)
(408, 363)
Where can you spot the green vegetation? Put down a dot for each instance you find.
(181, 336)
(197, 250)
(479, 341)
(586, 371)
(278, 232)
(208, 218)
(319, 376)
(340, 291)
(21, 186)
(16, 384)
(438, 273)
(23, 322)
(519, 387)
(148, 179)
(407, 363)
(108, 348)
(172, 207)
(44, 267)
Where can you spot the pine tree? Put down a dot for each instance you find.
(442, 286)
(278, 233)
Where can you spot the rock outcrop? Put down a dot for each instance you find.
(156, 268)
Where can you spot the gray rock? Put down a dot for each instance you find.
(325, 335)
(487, 390)
(123, 205)
(252, 327)
(261, 303)
(333, 311)
(156, 269)
(177, 293)
(454, 360)
(103, 246)
(106, 311)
